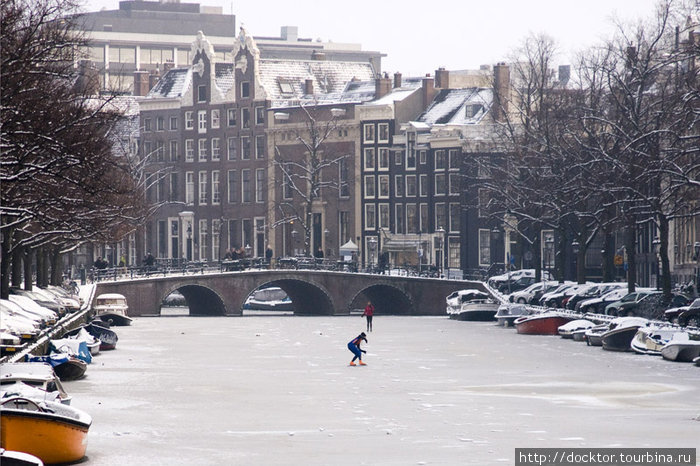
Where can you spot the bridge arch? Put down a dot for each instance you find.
(308, 298)
(387, 299)
(201, 300)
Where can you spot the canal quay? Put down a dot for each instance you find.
(277, 390)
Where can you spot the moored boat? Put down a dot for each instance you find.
(35, 374)
(269, 299)
(650, 340)
(621, 332)
(108, 337)
(17, 458)
(594, 335)
(681, 348)
(112, 308)
(546, 323)
(570, 328)
(53, 432)
(472, 305)
(508, 313)
(64, 365)
(696, 361)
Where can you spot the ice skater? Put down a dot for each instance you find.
(354, 347)
(369, 313)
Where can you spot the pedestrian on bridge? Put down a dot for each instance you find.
(354, 347)
(369, 313)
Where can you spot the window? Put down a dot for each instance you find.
(216, 239)
(245, 148)
(453, 259)
(398, 156)
(398, 186)
(201, 93)
(215, 193)
(245, 89)
(231, 112)
(383, 186)
(215, 149)
(369, 159)
(245, 185)
(215, 118)
(344, 186)
(423, 157)
(259, 115)
(370, 217)
(160, 151)
(202, 149)
(173, 188)
(411, 187)
(232, 186)
(189, 150)
(259, 147)
(174, 156)
(440, 184)
(189, 120)
(454, 159)
(203, 239)
(383, 159)
(231, 142)
(160, 123)
(369, 186)
(411, 218)
(203, 193)
(202, 118)
(260, 185)
(147, 124)
(424, 222)
(484, 247)
(384, 216)
(454, 183)
(455, 212)
(287, 187)
(423, 179)
(245, 118)
(383, 132)
(173, 123)
(440, 216)
(483, 202)
(439, 160)
(147, 149)
(411, 159)
(400, 219)
(368, 132)
(286, 87)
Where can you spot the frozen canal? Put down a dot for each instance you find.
(279, 391)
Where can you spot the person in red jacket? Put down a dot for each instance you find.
(369, 313)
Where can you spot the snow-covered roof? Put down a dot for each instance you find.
(176, 81)
(458, 107)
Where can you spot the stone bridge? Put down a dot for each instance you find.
(312, 292)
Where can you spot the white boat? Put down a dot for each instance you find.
(269, 299)
(91, 341)
(579, 325)
(650, 340)
(38, 375)
(681, 348)
(507, 313)
(621, 333)
(471, 305)
(112, 308)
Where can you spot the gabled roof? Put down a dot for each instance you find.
(175, 82)
(458, 107)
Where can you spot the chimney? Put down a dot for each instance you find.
(318, 55)
(167, 66)
(140, 83)
(427, 90)
(309, 86)
(397, 79)
(501, 97)
(153, 78)
(382, 86)
(442, 78)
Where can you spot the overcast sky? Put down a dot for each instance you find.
(420, 36)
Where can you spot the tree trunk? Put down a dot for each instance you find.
(630, 246)
(27, 261)
(608, 264)
(5, 264)
(581, 263)
(663, 253)
(56, 266)
(39, 265)
(17, 267)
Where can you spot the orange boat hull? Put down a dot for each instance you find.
(535, 325)
(47, 437)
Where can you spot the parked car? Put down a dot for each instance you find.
(527, 295)
(593, 291)
(497, 280)
(673, 313)
(546, 299)
(691, 316)
(42, 298)
(515, 285)
(649, 304)
(597, 305)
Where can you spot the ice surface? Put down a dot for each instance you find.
(239, 390)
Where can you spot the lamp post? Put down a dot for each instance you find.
(656, 245)
(575, 247)
(549, 252)
(441, 232)
(189, 240)
(295, 233)
(372, 249)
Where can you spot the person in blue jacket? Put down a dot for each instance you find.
(354, 347)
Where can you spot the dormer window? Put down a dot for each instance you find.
(286, 87)
(472, 110)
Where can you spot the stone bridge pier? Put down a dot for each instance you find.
(312, 292)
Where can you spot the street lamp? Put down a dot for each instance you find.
(549, 252)
(372, 248)
(295, 233)
(189, 240)
(248, 249)
(657, 248)
(441, 232)
(575, 247)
